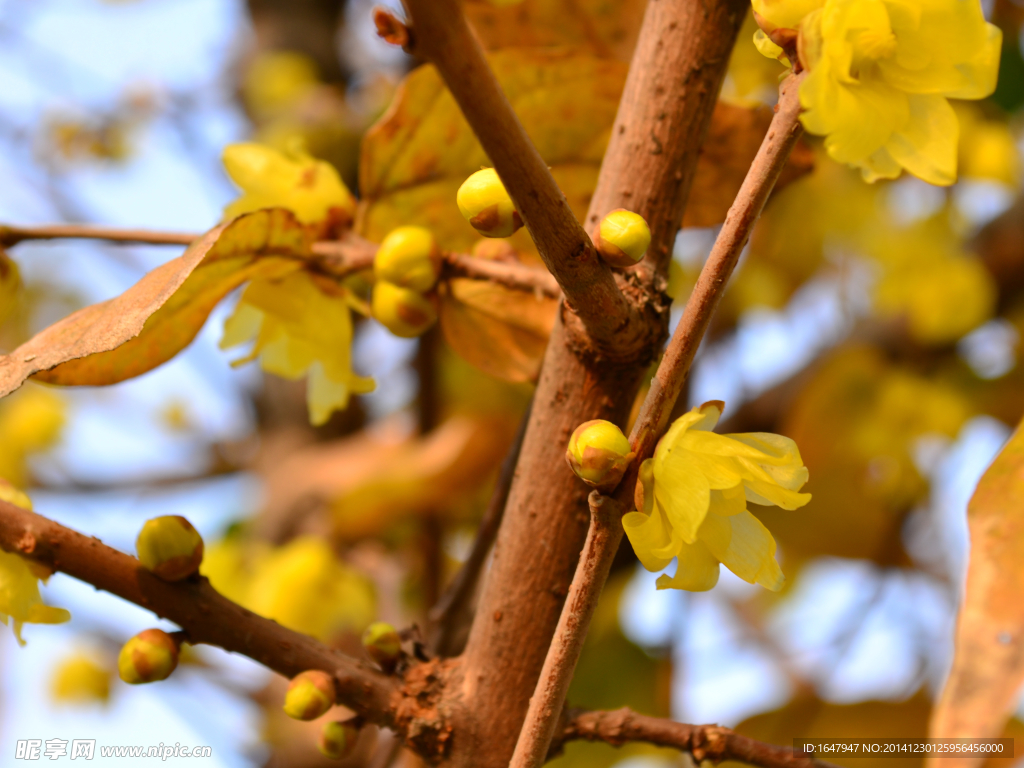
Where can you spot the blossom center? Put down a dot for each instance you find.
(876, 43)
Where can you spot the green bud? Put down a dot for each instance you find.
(409, 257)
(170, 547)
(382, 642)
(623, 238)
(337, 739)
(487, 206)
(599, 453)
(149, 656)
(310, 694)
(404, 312)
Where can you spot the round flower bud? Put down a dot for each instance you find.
(310, 694)
(404, 312)
(337, 739)
(622, 238)
(170, 547)
(486, 205)
(149, 656)
(599, 453)
(382, 642)
(408, 257)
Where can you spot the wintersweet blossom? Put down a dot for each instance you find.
(300, 331)
(693, 498)
(880, 73)
(19, 581)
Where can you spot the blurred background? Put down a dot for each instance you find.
(878, 325)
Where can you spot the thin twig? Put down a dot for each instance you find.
(203, 614)
(592, 571)
(704, 742)
(440, 34)
(453, 610)
(339, 258)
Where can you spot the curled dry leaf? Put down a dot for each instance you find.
(983, 688)
(416, 157)
(500, 331)
(159, 316)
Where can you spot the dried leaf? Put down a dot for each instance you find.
(416, 157)
(608, 30)
(983, 688)
(500, 331)
(160, 315)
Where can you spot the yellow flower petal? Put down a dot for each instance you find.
(745, 547)
(684, 493)
(926, 146)
(651, 538)
(697, 570)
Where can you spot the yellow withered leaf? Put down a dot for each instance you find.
(416, 157)
(608, 30)
(159, 316)
(983, 688)
(500, 331)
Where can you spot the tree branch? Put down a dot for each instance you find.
(704, 742)
(339, 258)
(441, 34)
(205, 615)
(603, 541)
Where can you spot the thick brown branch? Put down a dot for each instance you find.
(704, 742)
(443, 37)
(603, 539)
(338, 258)
(204, 614)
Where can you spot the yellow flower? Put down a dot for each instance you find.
(693, 495)
(880, 74)
(19, 581)
(300, 331)
(30, 421)
(80, 679)
(310, 188)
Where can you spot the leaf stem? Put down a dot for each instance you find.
(603, 541)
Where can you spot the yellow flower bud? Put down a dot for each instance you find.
(623, 238)
(599, 453)
(382, 642)
(486, 205)
(409, 257)
(338, 739)
(149, 656)
(170, 547)
(404, 312)
(310, 694)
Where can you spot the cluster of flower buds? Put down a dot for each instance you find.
(170, 547)
(150, 656)
(599, 453)
(383, 644)
(310, 694)
(623, 238)
(406, 268)
(338, 739)
(482, 199)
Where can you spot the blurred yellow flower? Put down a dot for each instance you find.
(310, 188)
(80, 679)
(10, 285)
(19, 581)
(301, 585)
(276, 80)
(30, 421)
(880, 74)
(693, 498)
(988, 148)
(300, 331)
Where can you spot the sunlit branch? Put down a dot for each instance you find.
(704, 742)
(338, 258)
(440, 34)
(592, 571)
(203, 614)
